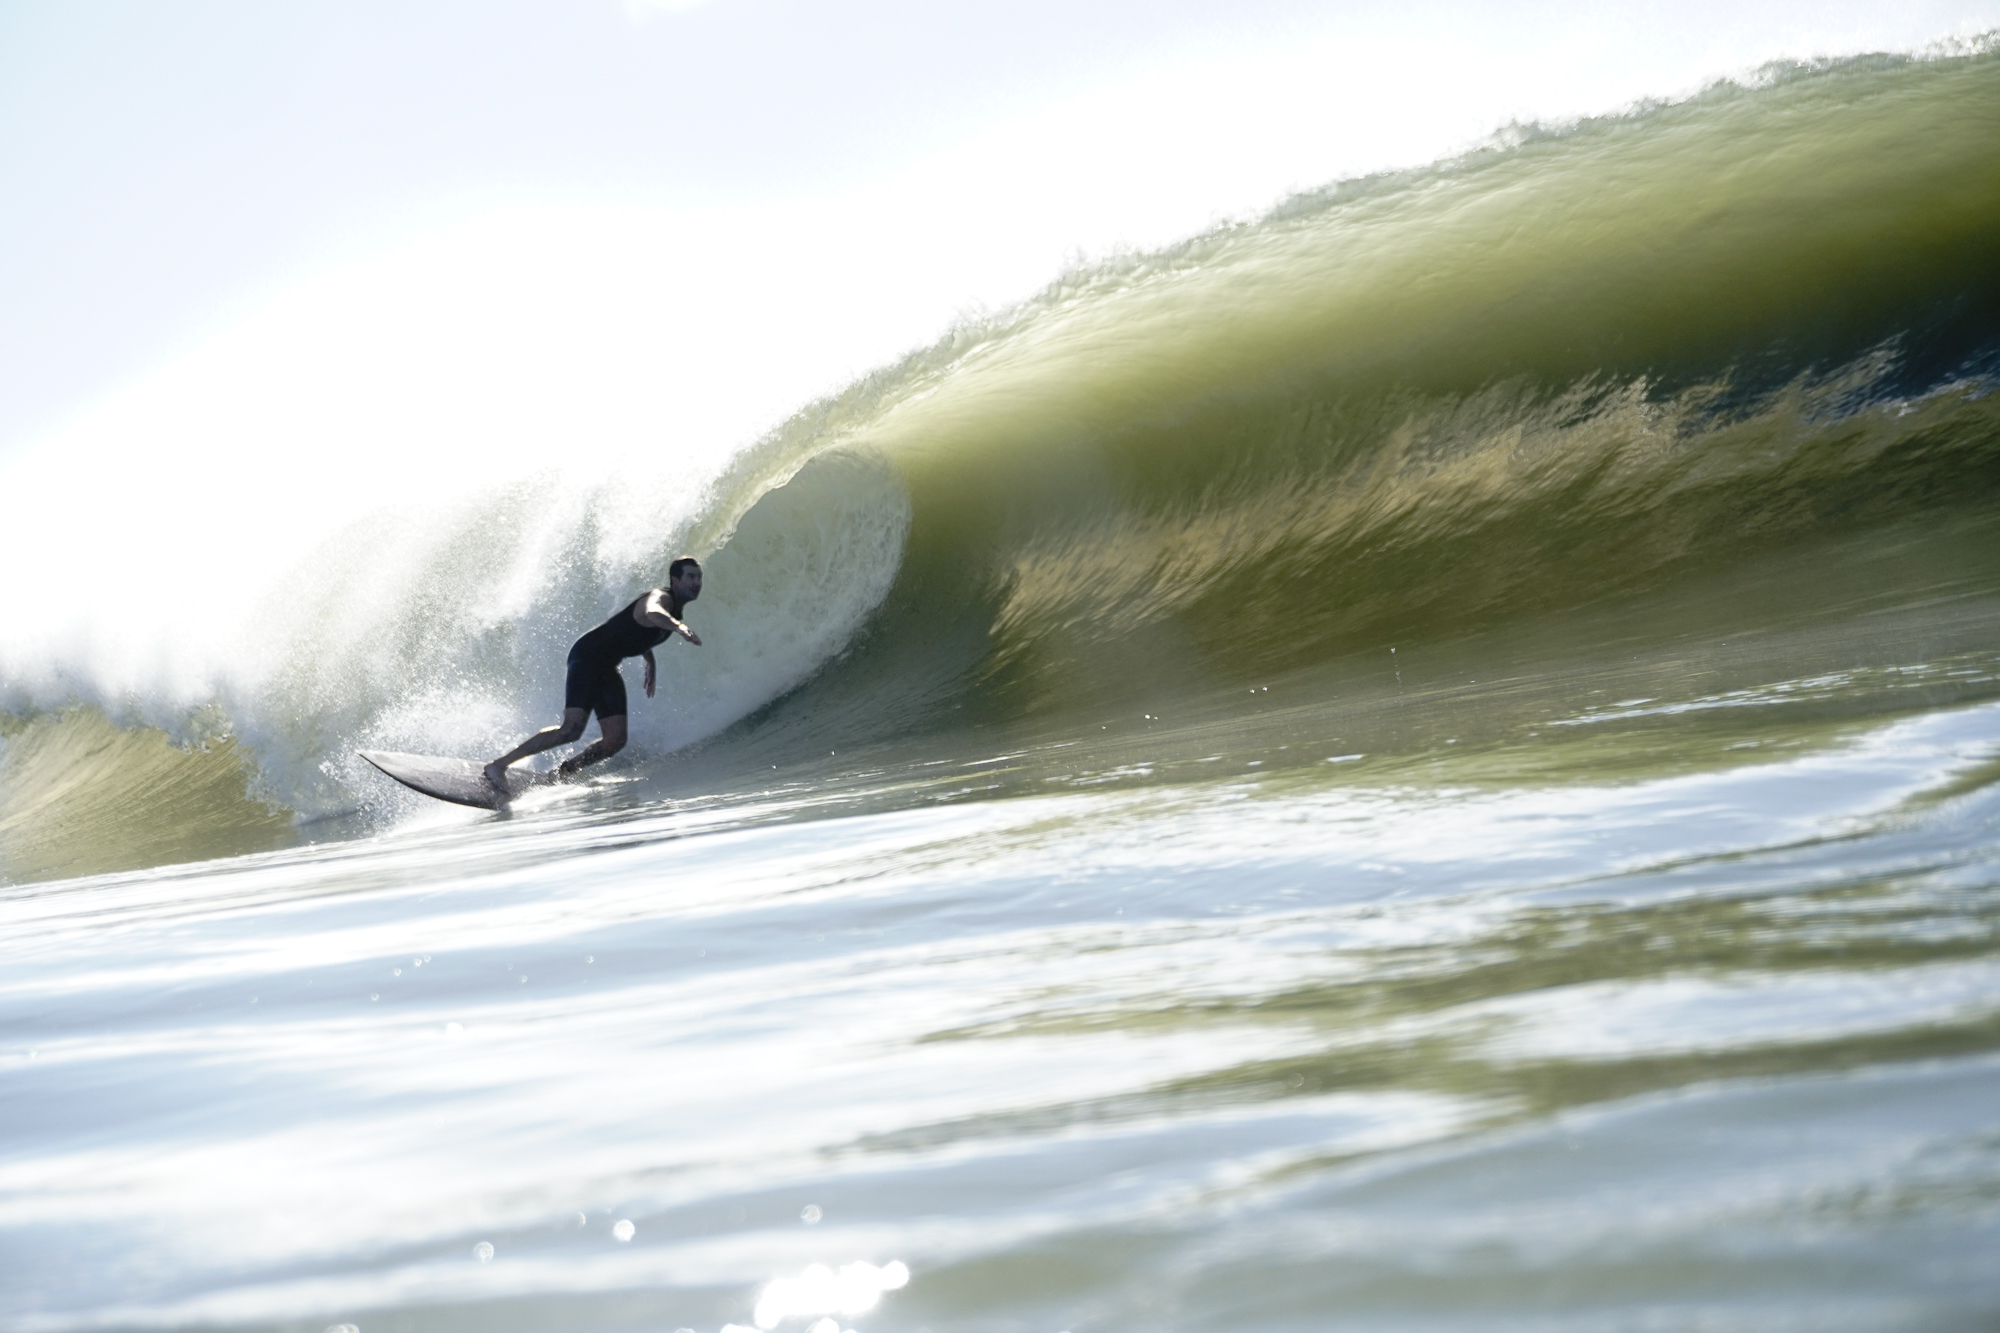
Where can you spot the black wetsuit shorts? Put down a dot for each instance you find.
(594, 683)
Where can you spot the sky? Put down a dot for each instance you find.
(451, 231)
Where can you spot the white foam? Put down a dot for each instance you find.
(335, 611)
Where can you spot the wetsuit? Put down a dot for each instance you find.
(594, 684)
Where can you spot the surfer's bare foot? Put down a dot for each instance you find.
(496, 776)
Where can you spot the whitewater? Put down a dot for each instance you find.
(1426, 759)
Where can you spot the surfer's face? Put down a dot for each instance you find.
(687, 584)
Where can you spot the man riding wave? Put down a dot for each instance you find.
(594, 683)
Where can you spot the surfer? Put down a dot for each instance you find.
(594, 682)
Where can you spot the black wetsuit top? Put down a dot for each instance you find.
(594, 683)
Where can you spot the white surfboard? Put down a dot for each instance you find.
(457, 780)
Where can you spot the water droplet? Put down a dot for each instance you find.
(453, 1029)
(396, 972)
(590, 958)
(622, 1229)
(581, 1220)
(483, 1251)
(810, 1214)
(373, 995)
(342, 1328)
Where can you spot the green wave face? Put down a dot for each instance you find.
(82, 796)
(1623, 357)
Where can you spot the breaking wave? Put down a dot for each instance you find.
(1582, 363)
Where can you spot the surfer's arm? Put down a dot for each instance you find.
(655, 613)
(648, 655)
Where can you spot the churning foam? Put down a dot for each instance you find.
(321, 605)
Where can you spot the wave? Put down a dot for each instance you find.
(1580, 363)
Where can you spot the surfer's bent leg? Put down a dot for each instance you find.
(610, 743)
(547, 738)
(607, 700)
(582, 686)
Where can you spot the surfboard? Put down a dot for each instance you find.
(457, 780)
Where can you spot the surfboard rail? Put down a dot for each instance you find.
(460, 781)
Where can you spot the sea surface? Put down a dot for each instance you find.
(1429, 760)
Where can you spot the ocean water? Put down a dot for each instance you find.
(1427, 761)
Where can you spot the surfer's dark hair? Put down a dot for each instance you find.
(674, 570)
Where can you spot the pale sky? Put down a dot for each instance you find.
(763, 196)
